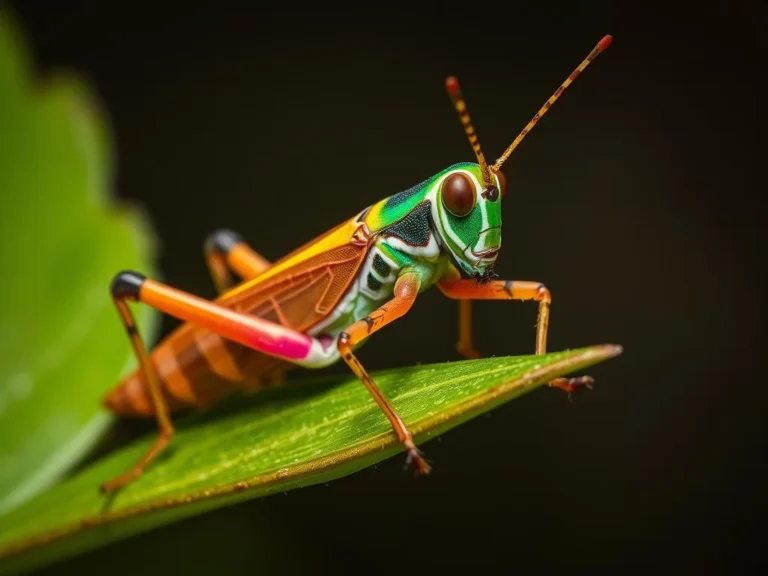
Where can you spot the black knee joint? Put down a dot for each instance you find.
(222, 241)
(127, 285)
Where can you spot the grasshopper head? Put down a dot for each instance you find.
(469, 195)
(468, 217)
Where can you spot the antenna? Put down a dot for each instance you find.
(601, 46)
(454, 91)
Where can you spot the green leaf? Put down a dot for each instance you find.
(310, 431)
(61, 242)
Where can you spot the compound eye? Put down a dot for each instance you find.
(458, 194)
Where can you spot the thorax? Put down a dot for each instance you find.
(388, 257)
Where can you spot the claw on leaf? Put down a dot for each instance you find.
(420, 464)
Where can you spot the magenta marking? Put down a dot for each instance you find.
(278, 340)
(291, 346)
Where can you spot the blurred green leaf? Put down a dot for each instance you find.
(61, 242)
(307, 432)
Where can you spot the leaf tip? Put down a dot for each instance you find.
(611, 350)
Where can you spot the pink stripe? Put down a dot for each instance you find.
(284, 343)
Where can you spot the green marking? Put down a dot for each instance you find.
(402, 259)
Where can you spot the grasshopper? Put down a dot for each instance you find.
(319, 303)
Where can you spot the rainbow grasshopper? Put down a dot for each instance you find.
(317, 304)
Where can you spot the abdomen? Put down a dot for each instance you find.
(197, 368)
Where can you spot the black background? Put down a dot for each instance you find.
(632, 200)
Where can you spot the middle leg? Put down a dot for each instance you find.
(227, 252)
(465, 345)
(406, 290)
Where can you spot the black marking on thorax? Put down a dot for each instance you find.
(381, 267)
(373, 282)
(401, 197)
(415, 228)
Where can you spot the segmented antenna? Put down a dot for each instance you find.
(454, 91)
(602, 45)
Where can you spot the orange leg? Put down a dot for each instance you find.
(120, 297)
(406, 290)
(464, 290)
(257, 333)
(465, 346)
(226, 252)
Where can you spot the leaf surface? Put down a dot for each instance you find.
(310, 431)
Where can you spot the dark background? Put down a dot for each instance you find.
(632, 200)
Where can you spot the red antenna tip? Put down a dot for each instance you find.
(452, 85)
(605, 42)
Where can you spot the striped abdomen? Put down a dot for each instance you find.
(196, 368)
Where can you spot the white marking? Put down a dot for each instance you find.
(362, 280)
(321, 354)
(431, 251)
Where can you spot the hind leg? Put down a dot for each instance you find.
(121, 293)
(227, 252)
(267, 337)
